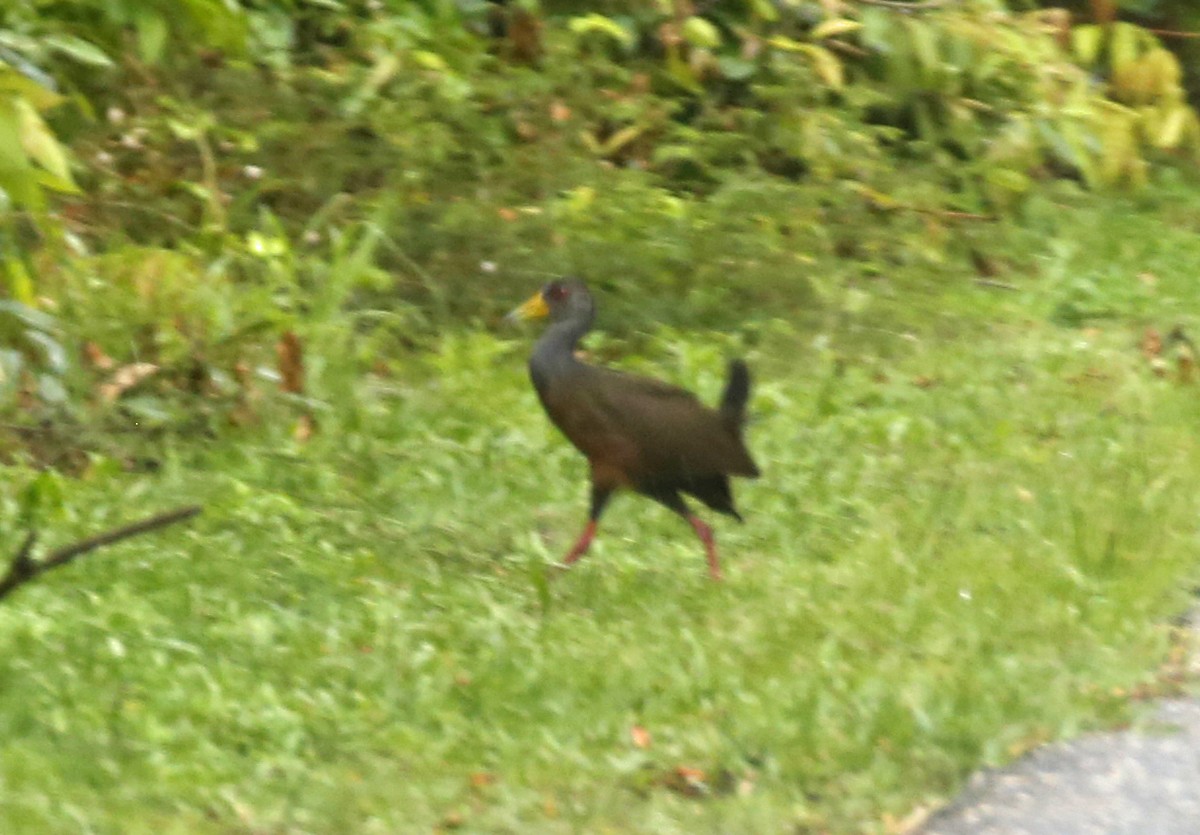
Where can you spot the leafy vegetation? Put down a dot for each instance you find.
(254, 255)
(970, 539)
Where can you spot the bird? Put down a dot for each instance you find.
(637, 433)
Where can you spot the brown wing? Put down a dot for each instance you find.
(649, 430)
(574, 408)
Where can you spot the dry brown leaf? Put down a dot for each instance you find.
(752, 47)
(507, 213)
(832, 8)
(306, 427)
(640, 736)
(909, 824)
(245, 378)
(524, 35)
(244, 412)
(1152, 344)
(690, 782)
(1185, 365)
(125, 378)
(984, 264)
(1031, 740)
(668, 35)
(1104, 11)
(1058, 22)
(290, 354)
(94, 355)
(1181, 346)
(559, 112)
(482, 779)
(242, 415)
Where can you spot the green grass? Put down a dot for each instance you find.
(974, 526)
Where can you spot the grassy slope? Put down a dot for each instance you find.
(357, 636)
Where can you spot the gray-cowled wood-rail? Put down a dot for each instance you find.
(637, 433)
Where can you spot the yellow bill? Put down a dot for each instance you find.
(535, 308)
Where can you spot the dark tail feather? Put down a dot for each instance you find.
(737, 393)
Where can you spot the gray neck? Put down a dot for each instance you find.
(554, 352)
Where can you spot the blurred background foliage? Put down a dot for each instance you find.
(181, 183)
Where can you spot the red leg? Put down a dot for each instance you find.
(600, 497)
(710, 545)
(582, 544)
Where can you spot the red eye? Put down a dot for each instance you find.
(556, 292)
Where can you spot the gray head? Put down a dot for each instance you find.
(563, 300)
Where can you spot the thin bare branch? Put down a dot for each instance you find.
(1172, 33)
(949, 214)
(928, 5)
(24, 568)
(996, 285)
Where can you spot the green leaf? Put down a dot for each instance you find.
(16, 171)
(85, 52)
(1122, 48)
(541, 585)
(827, 65)
(52, 181)
(11, 363)
(20, 285)
(877, 29)
(1008, 179)
(835, 26)
(736, 69)
(387, 67)
(151, 31)
(1086, 42)
(681, 72)
(598, 23)
(1072, 144)
(186, 131)
(56, 355)
(925, 47)
(11, 81)
(1171, 130)
(41, 145)
(26, 315)
(927, 125)
(41, 497)
(675, 153)
(785, 43)
(51, 389)
(18, 43)
(620, 139)
(765, 9)
(700, 32)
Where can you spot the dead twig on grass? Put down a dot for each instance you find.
(25, 568)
